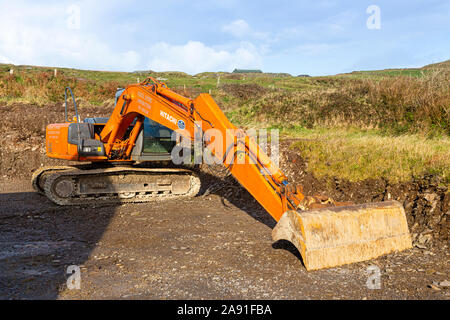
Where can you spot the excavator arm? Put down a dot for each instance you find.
(239, 152)
(333, 235)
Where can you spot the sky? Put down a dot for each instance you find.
(320, 37)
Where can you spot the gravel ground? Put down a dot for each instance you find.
(202, 248)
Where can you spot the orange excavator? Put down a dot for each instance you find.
(140, 130)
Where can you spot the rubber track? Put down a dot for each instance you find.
(105, 199)
(37, 174)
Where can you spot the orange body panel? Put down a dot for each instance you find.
(57, 146)
(56, 142)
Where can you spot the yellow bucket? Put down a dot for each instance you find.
(335, 236)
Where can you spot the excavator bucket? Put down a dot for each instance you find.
(335, 236)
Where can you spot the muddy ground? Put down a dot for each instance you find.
(215, 246)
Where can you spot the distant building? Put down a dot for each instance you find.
(303, 76)
(246, 71)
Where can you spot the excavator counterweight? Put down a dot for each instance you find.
(326, 233)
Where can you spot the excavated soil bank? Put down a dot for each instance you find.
(23, 138)
(427, 205)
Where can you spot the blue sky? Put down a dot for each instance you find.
(299, 37)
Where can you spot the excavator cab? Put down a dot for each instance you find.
(154, 142)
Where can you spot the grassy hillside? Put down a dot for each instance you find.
(369, 124)
(441, 67)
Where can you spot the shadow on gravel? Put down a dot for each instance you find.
(288, 246)
(232, 192)
(40, 240)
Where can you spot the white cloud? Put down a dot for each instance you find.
(4, 59)
(241, 29)
(39, 35)
(238, 28)
(195, 57)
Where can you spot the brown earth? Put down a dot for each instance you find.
(244, 91)
(427, 205)
(23, 135)
(214, 246)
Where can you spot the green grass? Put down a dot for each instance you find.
(357, 155)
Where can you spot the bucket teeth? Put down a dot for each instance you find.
(335, 236)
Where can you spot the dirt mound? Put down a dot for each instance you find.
(23, 136)
(244, 91)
